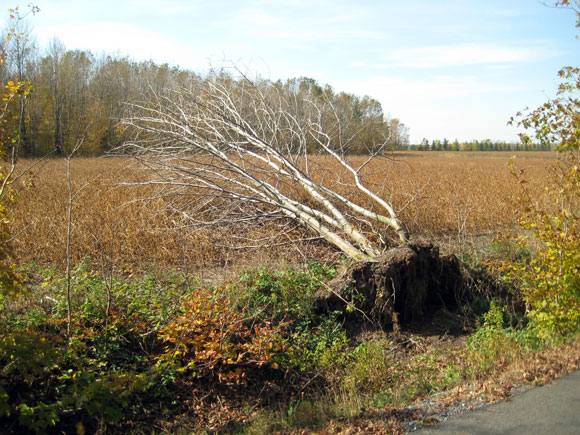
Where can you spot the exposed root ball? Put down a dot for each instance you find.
(405, 283)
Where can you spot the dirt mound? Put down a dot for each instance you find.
(405, 283)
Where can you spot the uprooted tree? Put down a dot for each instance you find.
(243, 150)
(238, 150)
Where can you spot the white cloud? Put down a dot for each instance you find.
(456, 55)
(133, 41)
(358, 65)
(290, 24)
(462, 106)
(166, 7)
(303, 48)
(429, 89)
(258, 18)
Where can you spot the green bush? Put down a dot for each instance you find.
(550, 280)
(284, 297)
(496, 341)
(283, 293)
(105, 371)
(139, 341)
(371, 368)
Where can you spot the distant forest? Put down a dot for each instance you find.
(476, 145)
(78, 97)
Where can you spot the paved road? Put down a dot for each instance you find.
(551, 409)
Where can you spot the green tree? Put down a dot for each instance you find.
(551, 280)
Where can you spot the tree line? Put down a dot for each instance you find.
(477, 145)
(79, 97)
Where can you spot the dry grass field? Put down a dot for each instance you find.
(456, 199)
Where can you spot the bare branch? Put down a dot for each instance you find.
(229, 150)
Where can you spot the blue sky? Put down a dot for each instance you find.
(456, 69)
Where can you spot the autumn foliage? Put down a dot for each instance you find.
(550, 280)
(13, 91)
(209, 338)
(152, 339)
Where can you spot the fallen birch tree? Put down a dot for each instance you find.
(241, 150)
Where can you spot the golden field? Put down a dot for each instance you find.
(453, 199)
